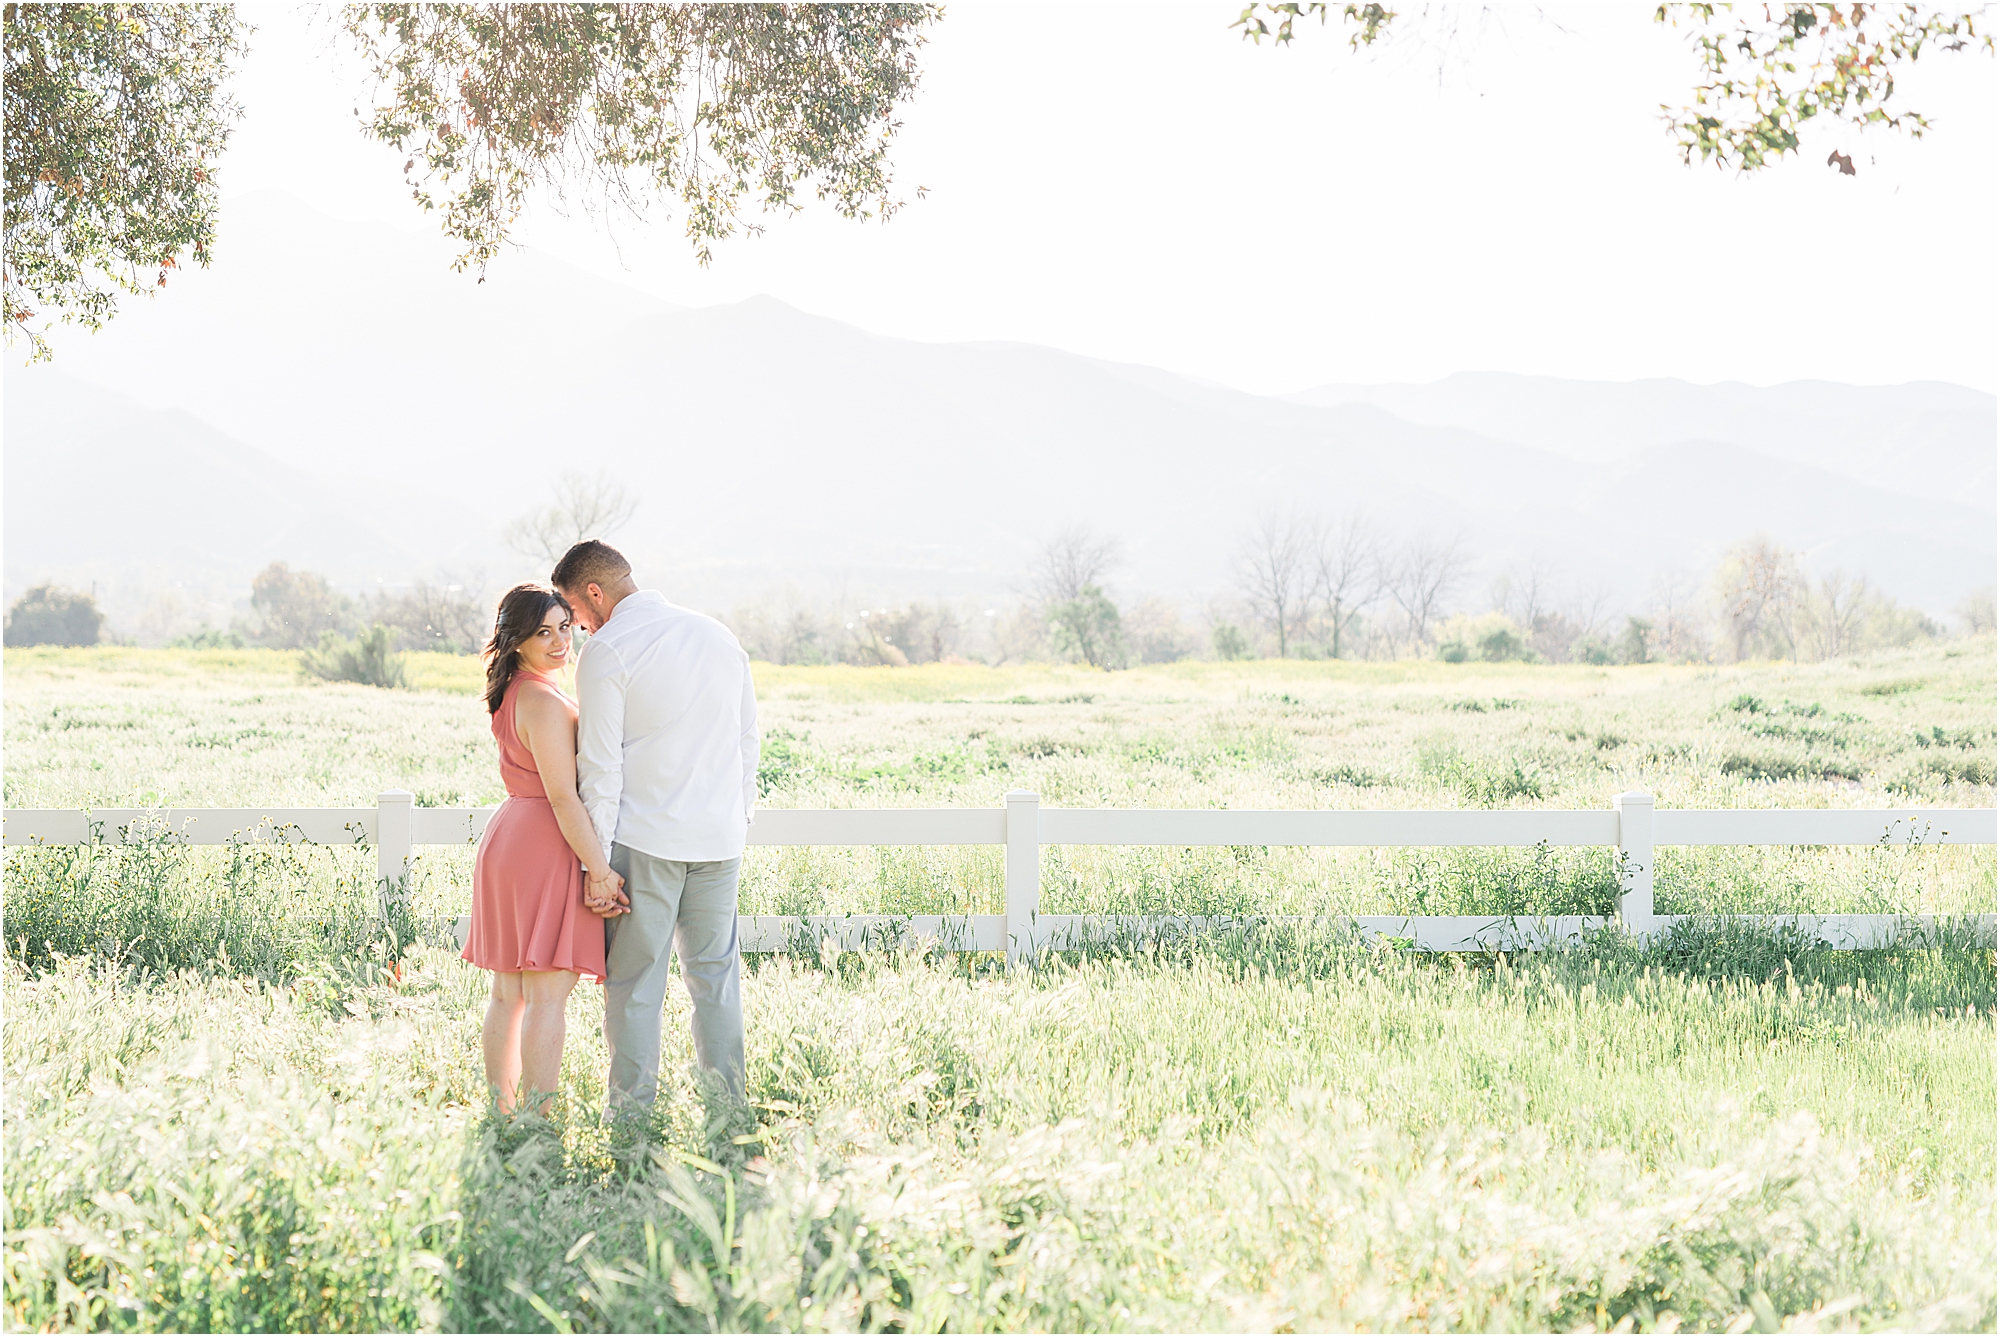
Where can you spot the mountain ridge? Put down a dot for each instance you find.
(1922, 438)
(772, 446)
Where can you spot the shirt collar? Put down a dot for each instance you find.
(652, 598)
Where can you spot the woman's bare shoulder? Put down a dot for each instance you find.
(541, 698)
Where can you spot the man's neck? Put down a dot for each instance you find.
(611, 607)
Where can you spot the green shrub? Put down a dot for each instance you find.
(1504, 645)
(1348, 775)
(1636, 641)
(1765, 766)
(1480, 783)
(1946, 769)
(51, 615)
(366, 659)
(210, 639)
(1593, 649)
(1491, 638)
(782, 761)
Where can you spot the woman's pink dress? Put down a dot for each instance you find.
(527, 884)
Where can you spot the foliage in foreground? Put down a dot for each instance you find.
(1190, 1139)
(116, 117)
(1763, 76)
(709, 105)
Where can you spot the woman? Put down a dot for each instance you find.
(529, 923)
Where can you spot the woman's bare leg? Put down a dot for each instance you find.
(501, 1038)
(542, 1029)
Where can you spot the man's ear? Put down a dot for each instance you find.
(594, 592)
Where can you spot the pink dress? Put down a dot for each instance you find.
(527, 884)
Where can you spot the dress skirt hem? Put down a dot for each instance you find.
(527, 897)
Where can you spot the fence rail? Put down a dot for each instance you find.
(396, 827)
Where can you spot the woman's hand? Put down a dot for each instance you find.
(604, 893)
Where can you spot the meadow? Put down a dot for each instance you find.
(237, 1101)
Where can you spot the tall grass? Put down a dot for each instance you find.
(235, 1101)
(1231, 1136)
(275, 912)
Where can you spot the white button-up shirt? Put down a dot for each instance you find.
(666, 745)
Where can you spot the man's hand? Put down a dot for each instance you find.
(604, 894)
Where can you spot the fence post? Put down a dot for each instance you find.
(1635, 860)
(1024, 873)
(393, 808)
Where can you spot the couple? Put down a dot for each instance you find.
(623, 828)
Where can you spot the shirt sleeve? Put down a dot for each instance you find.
(600, 736)
(751, 747)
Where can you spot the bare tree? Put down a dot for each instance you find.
(1590, 610)
(1976, 610)
(1758, 586)
(1078, 556)
(924, 633)
(1346, 574)
(585, 507)
(1524, 596)
(1679, 619)
(1020, 635)
(1274, 572)
(446, 614)
(1834, 615)
(1420, 578)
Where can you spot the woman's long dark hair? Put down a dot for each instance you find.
(523, 609)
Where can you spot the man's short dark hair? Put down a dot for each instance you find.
(592, 561)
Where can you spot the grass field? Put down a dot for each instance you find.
(225, 1111)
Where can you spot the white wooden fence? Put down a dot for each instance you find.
(396, 827)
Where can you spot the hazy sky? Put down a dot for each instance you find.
(1135, 182)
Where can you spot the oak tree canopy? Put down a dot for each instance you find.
(1763, 70)
(710, 106)
(115, 116)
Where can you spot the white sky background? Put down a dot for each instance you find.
(1135, 182)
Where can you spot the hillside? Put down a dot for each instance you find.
(1928, 439)
(381, 418)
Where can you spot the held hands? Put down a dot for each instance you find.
(604, 894)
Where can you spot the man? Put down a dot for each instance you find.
(666, 758)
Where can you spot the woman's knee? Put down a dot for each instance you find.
(545, 987)
(506, 987)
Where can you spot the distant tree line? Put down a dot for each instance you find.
(1307, 587)
(294, 609)
(289, 610)
(1301, 588)
(1316, 588)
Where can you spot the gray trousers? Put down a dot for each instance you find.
(690, 908)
